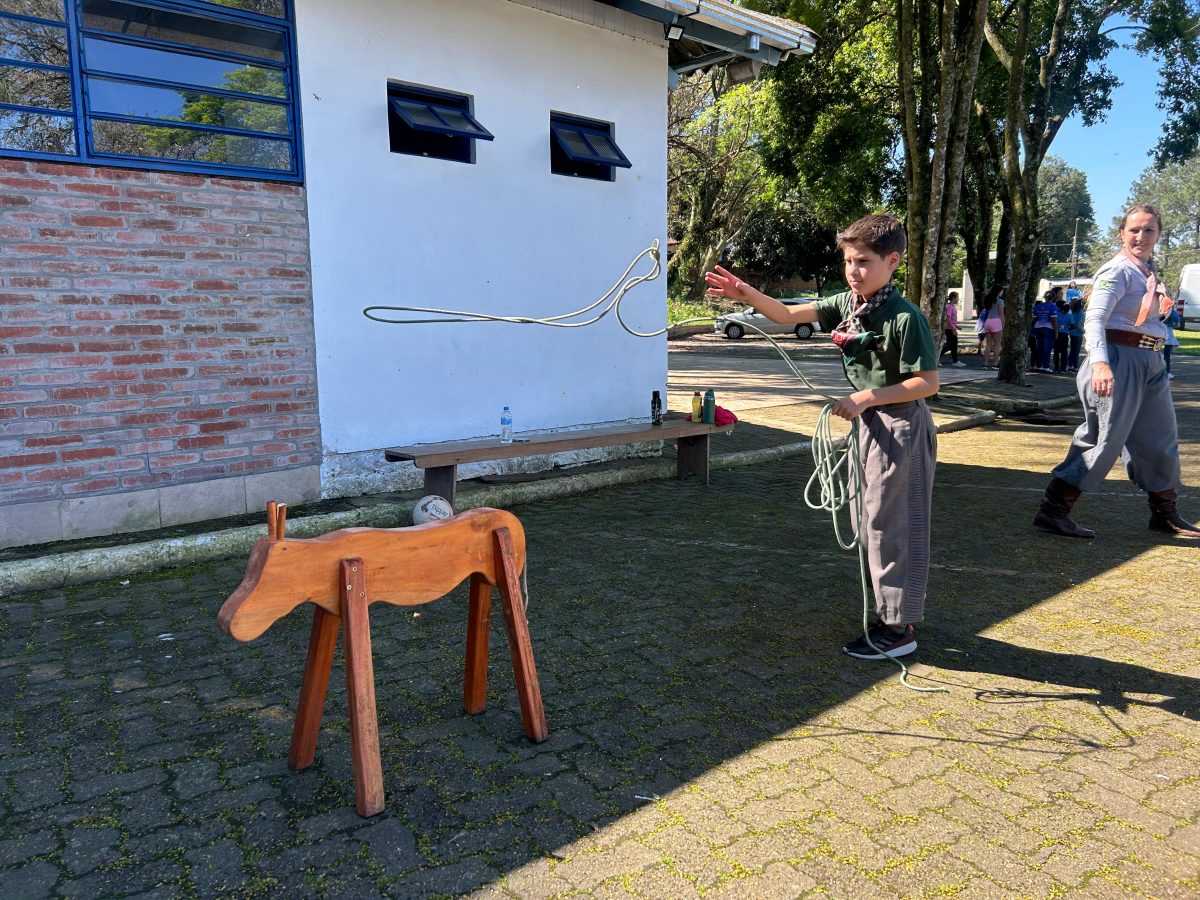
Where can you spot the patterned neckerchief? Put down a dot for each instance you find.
(1156, 293)
(853, 324)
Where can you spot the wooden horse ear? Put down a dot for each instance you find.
(276, 520)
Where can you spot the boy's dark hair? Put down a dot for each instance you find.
(879, 233)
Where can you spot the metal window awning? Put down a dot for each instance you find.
(425, 115)
(588, 146)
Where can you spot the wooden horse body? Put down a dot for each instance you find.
(342, 573)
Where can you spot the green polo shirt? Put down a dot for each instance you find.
(907, 344)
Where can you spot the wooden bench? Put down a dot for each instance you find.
(441, 461)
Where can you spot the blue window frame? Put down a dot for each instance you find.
(427, 122)
(584, 148)
(181, 85)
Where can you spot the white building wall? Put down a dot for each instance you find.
(501, 236)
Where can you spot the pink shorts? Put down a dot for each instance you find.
(993, 326)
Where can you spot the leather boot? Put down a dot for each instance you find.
(1055, 514)
(1164, 516)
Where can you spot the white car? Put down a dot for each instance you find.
(735, 325)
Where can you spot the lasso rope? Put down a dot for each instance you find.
(837, 478)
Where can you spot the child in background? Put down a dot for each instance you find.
(1172, 321)
(1074, 335)
(951, 345)
(1061, 342)
(1044, 329)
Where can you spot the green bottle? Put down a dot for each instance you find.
(710, 407)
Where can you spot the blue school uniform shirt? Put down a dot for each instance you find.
(1044, 312)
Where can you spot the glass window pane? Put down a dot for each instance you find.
(142, 62)
(182, 28)
(43, 9)
(124, 99)
(35, 87)
(188, 144)
(37, 131)
(31, 42)
(262, 7)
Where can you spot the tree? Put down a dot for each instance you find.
(937, 88)
(1175, 190)
(1068, 221)
(787, 241)
(833, 135)
(1052, 59)
(715, 179)
(878, 65)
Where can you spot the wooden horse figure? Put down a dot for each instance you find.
(343, 572)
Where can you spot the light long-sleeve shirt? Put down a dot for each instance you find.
(1117, 292)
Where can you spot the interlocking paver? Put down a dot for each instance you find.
(706, 737)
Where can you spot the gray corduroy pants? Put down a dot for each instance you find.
(898, 449)
(1135, 424)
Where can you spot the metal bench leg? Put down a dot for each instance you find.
(691, 457)
(442, 480)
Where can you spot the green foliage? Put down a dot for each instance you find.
(1063, 197)
(786, 242)
(1175, 190)
(716, 182)
(835, 138)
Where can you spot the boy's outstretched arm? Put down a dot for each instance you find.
(917, 386)
(722, 283)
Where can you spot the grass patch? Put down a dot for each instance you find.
(678, 310)
(1189, 343)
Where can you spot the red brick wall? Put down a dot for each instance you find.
(155, 329)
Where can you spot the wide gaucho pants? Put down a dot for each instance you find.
(898, 449)
(1136, 424)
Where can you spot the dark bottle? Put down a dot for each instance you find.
(710, 407)
(655, 408)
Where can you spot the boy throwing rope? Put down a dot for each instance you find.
(890, 360)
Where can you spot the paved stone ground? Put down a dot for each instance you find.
(706, 736)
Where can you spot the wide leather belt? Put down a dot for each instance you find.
(1133, 339)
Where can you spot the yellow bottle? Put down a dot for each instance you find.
(697, 406)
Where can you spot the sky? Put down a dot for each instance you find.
(1113, 153)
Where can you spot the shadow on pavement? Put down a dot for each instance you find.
(676, 627)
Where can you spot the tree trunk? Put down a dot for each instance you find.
(935, 139)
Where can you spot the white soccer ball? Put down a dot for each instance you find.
(430, 508)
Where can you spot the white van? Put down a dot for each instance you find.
(1187, 298)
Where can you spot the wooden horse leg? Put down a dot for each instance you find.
(322, 640)
(479, 616)
(360, 691)
(529, 692)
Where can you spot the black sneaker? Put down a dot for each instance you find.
(889, 640)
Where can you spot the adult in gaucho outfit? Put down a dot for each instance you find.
(1126, 394)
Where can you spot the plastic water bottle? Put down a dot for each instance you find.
(506, 426)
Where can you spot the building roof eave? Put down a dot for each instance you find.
(708, 21)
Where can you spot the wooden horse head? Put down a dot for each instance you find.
(404, 566)
(342, 573)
